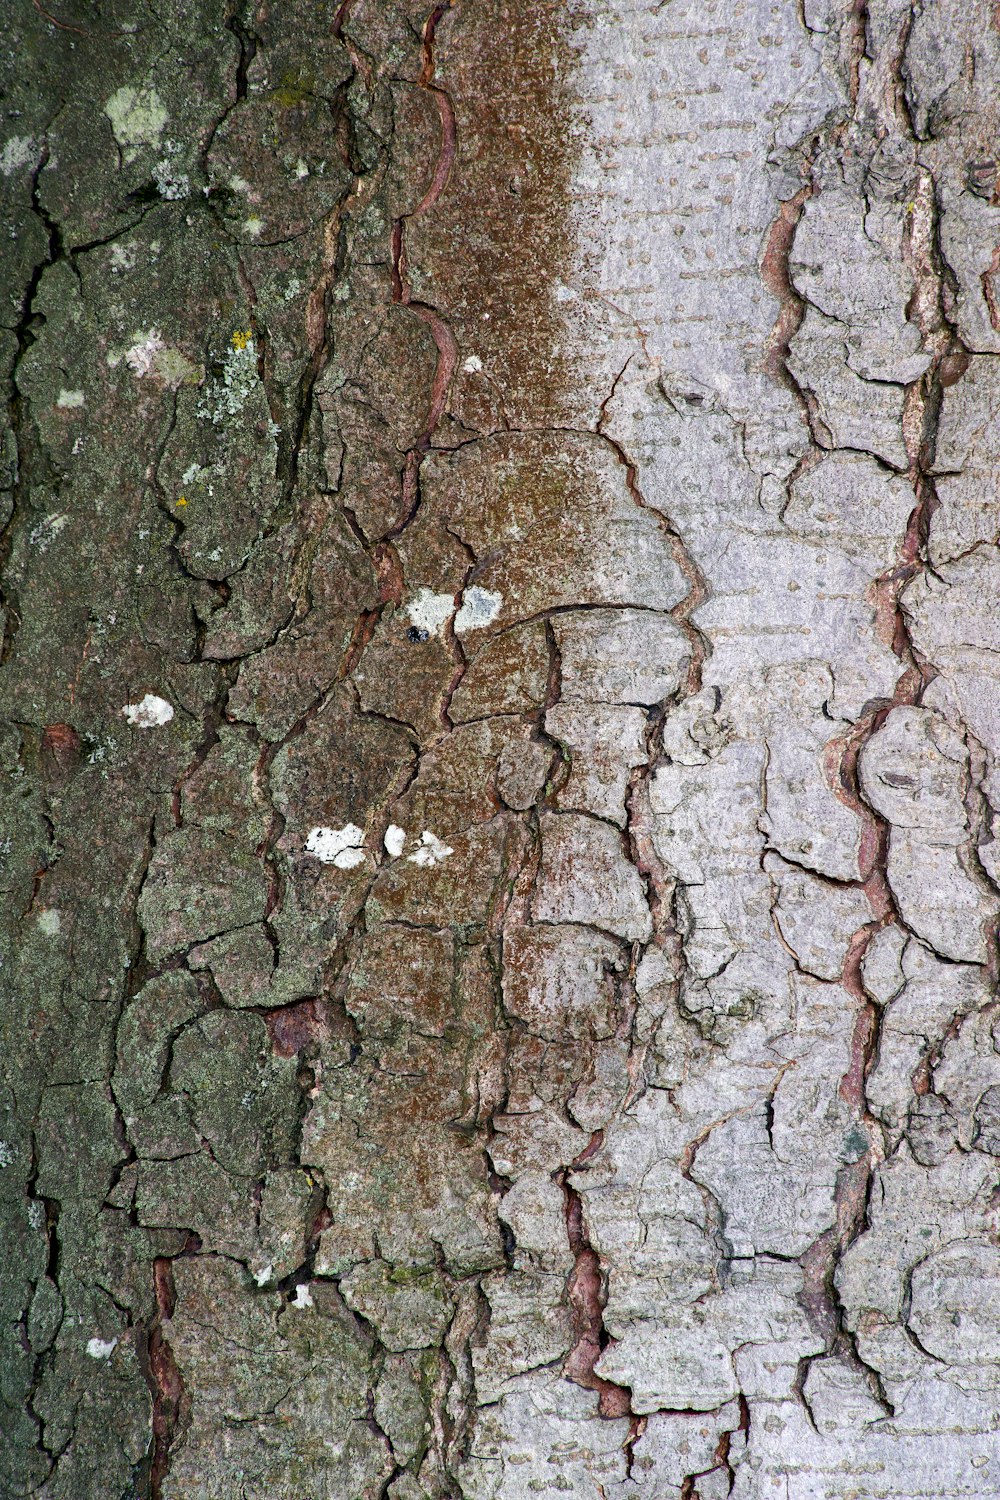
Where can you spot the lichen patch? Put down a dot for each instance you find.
(140, 354)
(394, 840)
(229, 393)
(432, 850)
(137, 117)
(171, 183)
(429, 611)
(151, 712)
(150, 357)
(340, 847)
(18, 152)
(480, 608)
(101, 1348)
(48, 528)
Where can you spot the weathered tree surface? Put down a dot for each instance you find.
(501, 717)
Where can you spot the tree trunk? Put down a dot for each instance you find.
(501, 709)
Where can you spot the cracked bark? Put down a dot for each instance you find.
(498, 684)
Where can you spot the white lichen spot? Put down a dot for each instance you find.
(303, 1296)
(430, 611)
(48, 528)
(101, 1348)
(49, 922)
(301, 170)
(431, 852)
(151, 713)
(480, 607)
(36, 1214)
(141, 354)
(18, 152)
(170, 183)
(394, 840)
(293, 288)
(564, 293)
(137, 118)
(69, 400)
(337, 846)
(6, 1154)
(122, 258)
(473, 365)
(252, 227)
(349, 858)
(239, 184)
(263, 1276)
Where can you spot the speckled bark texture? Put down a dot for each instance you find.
(499, 745)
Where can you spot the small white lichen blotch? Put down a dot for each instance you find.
(140, 356)
(171, 184)
(303, 1296)
(16, 153)
(69, 400)
(432, 851)
(101, 1348)
(480, 608)
(430, 611)
(151, 713)
(47, 530)
(340, 847)
(394, 840)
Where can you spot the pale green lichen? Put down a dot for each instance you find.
(198, 474)
(137, 118)
(174, 368)
(229, 392)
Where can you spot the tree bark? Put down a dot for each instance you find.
(500, 715)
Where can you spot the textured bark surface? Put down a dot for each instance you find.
(500, 705)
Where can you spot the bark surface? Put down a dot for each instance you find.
(500, 718)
